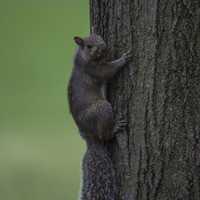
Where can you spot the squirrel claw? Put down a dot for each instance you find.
(120, 126)
(128, 54)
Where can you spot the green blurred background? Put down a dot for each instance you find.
(40, 148)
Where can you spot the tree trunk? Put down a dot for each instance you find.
(157, 157)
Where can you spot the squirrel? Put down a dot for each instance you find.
(93, 114)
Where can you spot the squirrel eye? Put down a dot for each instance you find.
(89, 46)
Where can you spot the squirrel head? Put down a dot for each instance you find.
(92, 48)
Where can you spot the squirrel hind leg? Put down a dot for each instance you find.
(105, 121)
(97, 121)
(98, 175)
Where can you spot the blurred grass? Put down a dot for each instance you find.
(40, 148)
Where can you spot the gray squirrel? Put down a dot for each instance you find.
(93, 114)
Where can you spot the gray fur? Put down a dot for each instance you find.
(93, 114)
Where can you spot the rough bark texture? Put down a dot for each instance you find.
(157, 157)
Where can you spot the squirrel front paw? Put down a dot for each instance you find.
(127, 56)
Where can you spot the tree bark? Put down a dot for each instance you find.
(157, 157)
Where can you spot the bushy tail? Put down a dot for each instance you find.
(98, 174)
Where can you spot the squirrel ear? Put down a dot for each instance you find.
(79, 41)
